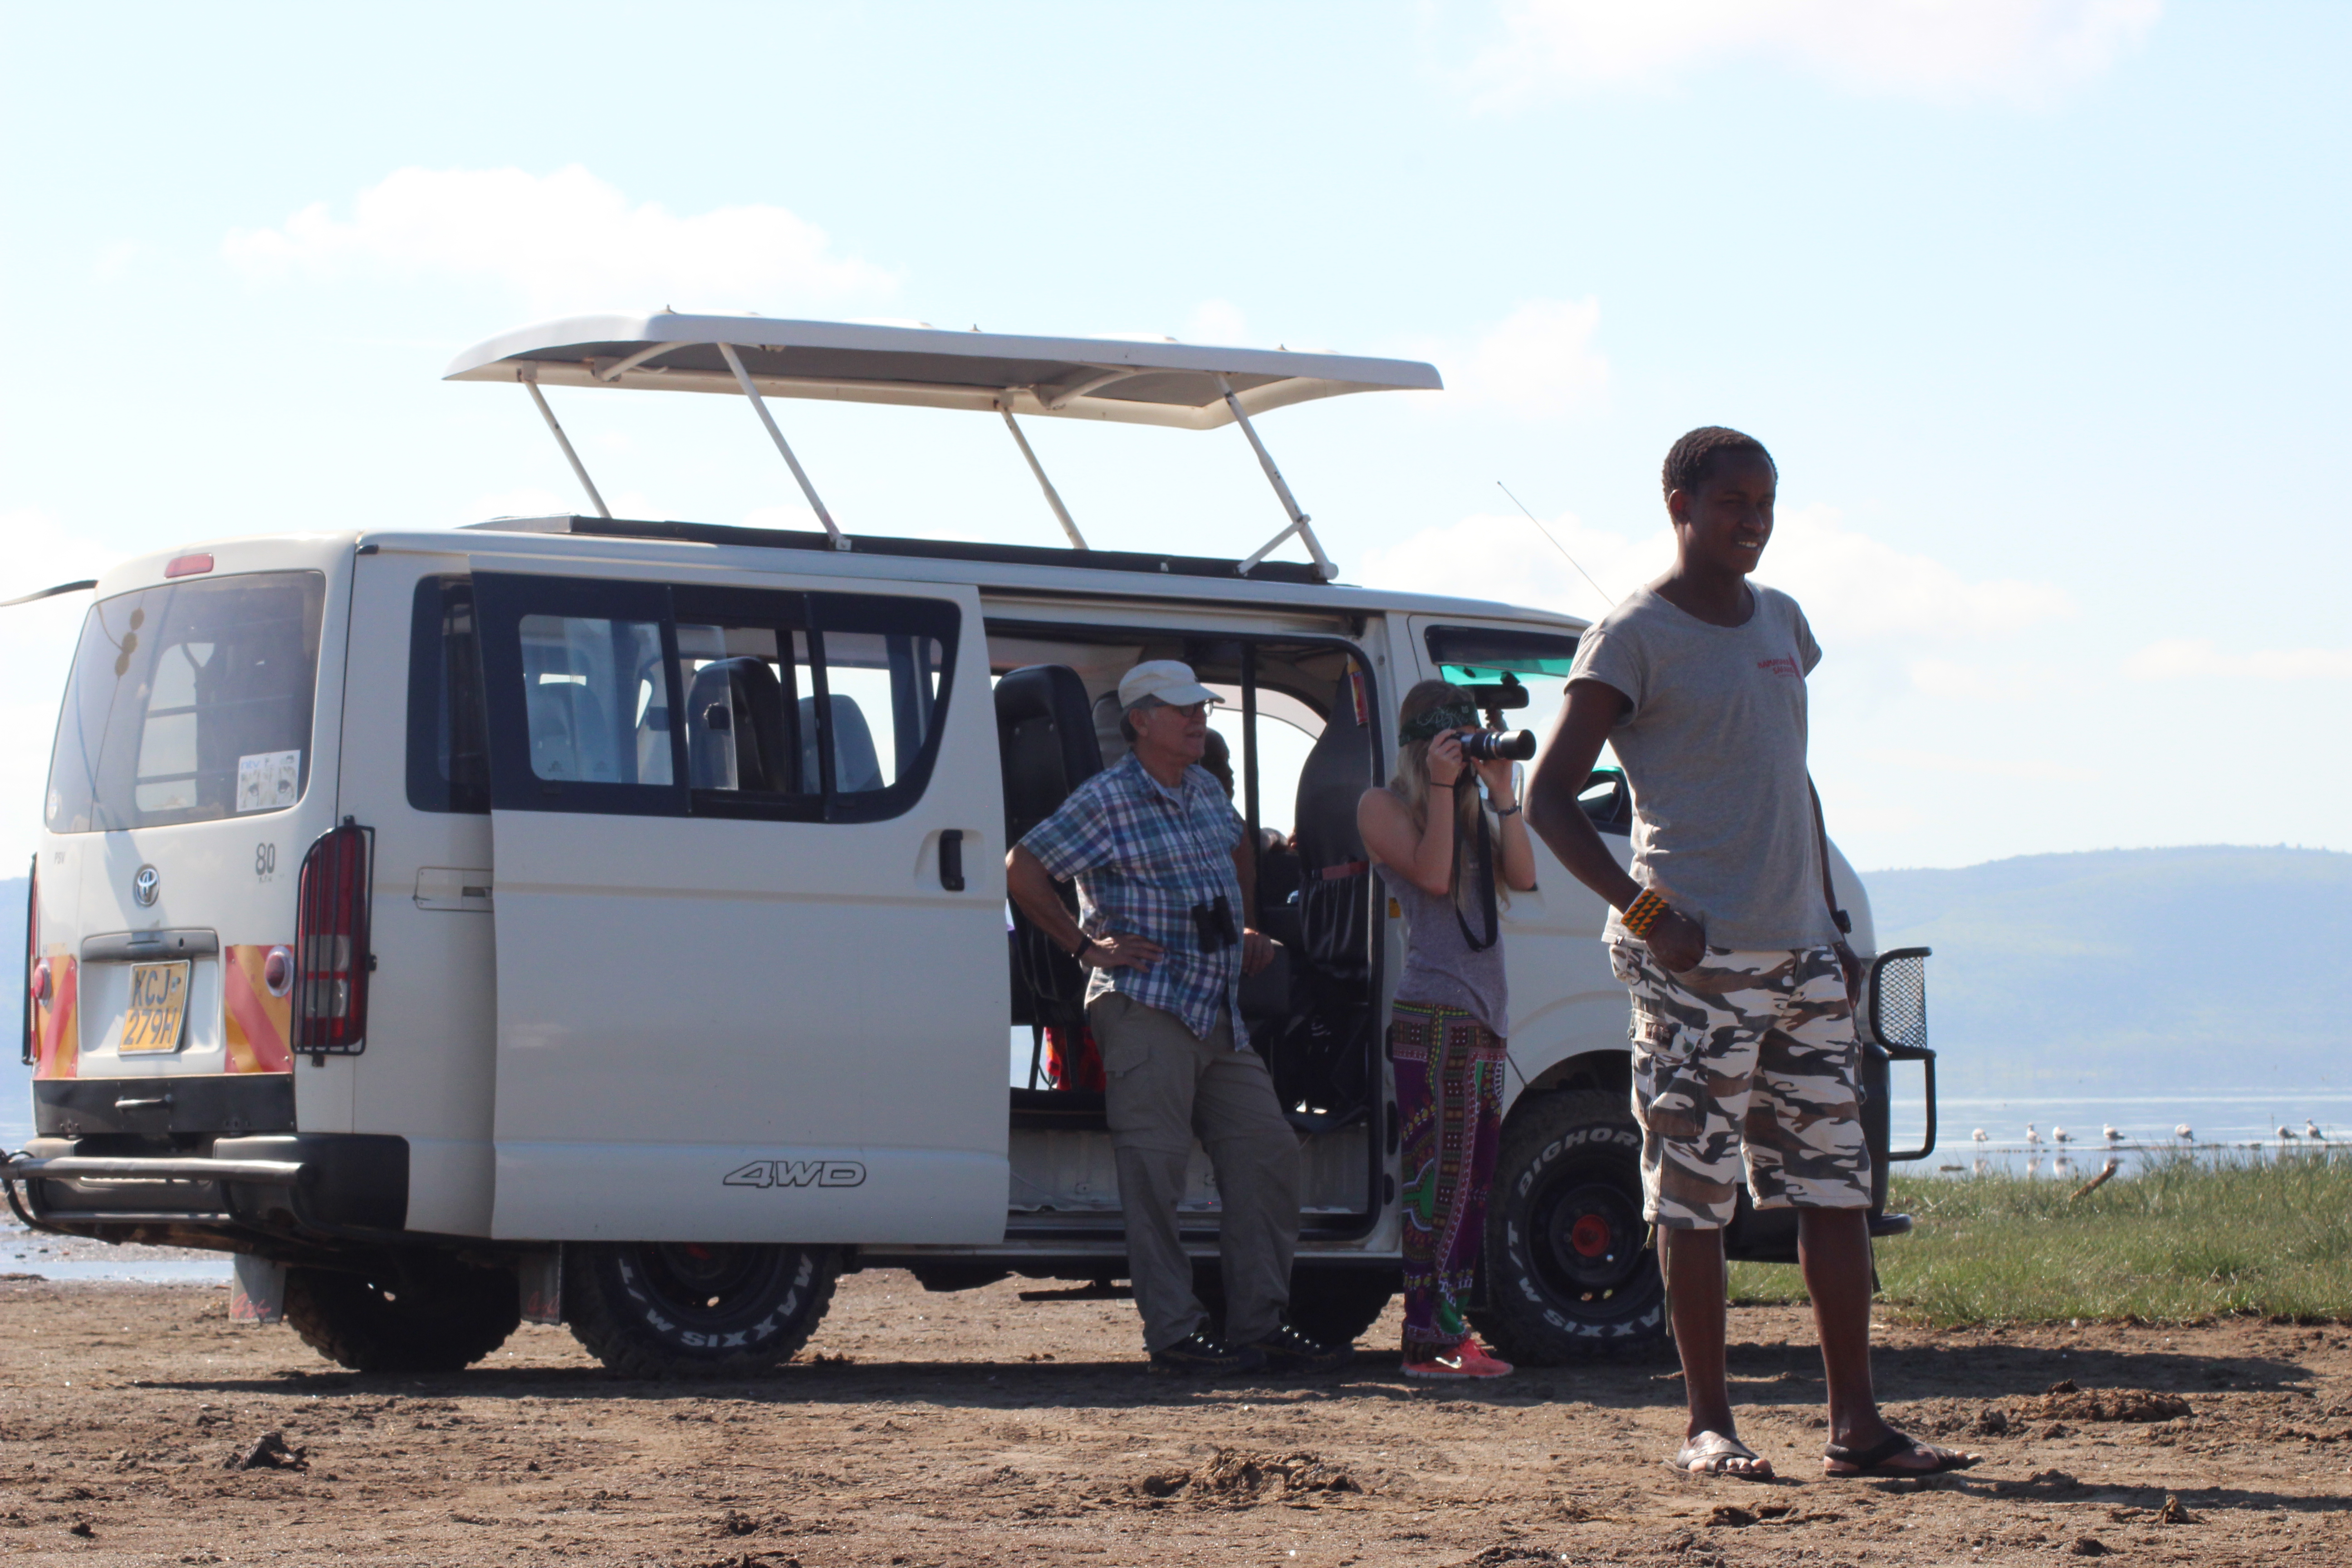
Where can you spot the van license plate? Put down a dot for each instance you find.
(159, 1006)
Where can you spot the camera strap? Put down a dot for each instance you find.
(1486, 874)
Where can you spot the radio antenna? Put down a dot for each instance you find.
(1606, 596)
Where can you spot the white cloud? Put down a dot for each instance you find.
(1217, 321)
(1501, 555)
(566, 242)
(1853, 588)
(114, 261)
(1538, 363)
(1940, 51)
(2184, 658)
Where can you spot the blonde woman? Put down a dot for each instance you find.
(1442, 854)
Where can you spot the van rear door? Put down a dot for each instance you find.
(752, 965)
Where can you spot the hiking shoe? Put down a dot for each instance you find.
(1287, 1350)
(1203, 1356)
(1467, 1360)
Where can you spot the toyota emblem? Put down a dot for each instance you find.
(144, 887)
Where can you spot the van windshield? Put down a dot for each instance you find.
(189, 703)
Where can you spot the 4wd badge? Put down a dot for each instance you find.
(798, 1173)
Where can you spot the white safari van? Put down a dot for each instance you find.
(605, 922)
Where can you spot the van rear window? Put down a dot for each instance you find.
(189, 703)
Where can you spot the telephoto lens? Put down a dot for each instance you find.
(1505, 746)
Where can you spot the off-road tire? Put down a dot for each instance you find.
(1335, 1306)
(666, 1310)
(1568, 1277)
(430, 1316)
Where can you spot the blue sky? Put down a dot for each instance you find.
(2040, 303)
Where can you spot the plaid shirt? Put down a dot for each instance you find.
(1144, 855)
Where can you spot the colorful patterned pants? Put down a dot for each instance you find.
(1449, 1083)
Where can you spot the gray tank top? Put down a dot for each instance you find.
(1440, 964)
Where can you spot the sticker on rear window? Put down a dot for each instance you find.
(269, 779)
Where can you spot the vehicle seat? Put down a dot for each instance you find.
(1046, 739)
(735, 728)
(571, 738)
(856, 766)
(1045, 744)
(1323, 1059)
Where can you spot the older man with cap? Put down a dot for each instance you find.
(1158, 852)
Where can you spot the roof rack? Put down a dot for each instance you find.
(1191, 386)
(923, 549)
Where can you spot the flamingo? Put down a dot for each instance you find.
(2311, 1131)
(1978, 1134)
(2111, 1133)
(2184, 1131)
(2285, 1133)
(2031, 1135)
(2061, 1135)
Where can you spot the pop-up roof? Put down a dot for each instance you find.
(1143, 382)
(1189, 387)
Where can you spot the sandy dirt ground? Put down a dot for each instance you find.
(982, 1428)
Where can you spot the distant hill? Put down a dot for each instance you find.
(2132, 970)
(2118, 971)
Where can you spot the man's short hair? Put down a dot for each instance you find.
(1126, 715)
(1690, 462)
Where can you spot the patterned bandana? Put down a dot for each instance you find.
(1436, 721)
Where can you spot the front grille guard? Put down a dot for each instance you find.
(1895, 1011)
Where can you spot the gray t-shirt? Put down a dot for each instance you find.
(1713, 746)
(1440, 967)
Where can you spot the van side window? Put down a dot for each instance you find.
(595, 700)
(810, 705)
(615, 696)
(448, 746)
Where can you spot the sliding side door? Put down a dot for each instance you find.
(750, 940)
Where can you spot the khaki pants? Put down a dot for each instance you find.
(1165, 1087)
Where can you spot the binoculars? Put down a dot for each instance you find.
(1214, 922)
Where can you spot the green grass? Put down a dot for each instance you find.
(2184, 1240)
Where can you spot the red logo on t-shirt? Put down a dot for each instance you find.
(1779, 666)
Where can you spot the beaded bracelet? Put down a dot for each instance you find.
(1645, 912)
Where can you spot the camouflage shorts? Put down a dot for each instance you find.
(1753, 1054)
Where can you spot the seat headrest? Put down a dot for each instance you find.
(1337, 773)
(1046, 739)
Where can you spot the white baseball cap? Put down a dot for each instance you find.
(1169, 680)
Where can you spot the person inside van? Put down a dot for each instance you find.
(1443, 856)
(1730, 938)
(1158, 853)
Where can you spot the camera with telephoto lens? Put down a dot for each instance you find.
(1499, 745)
(1496, 744)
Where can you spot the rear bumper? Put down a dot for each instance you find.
(326, 1185)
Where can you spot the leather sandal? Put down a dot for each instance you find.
(1873, 1460)
(1714, 1454)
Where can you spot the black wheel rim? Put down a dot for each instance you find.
(711, 1287)
(1586, 1233)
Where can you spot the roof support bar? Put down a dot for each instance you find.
(530, 385)
(1299, 521)
(1052, 497)
(760, 406)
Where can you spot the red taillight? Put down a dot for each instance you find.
(188, 566)
(36, 972)
(331, 943)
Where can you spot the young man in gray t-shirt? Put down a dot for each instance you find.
(1728, 935)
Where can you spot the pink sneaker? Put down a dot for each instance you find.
(1467, 1360)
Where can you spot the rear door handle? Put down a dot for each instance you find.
(952, 859)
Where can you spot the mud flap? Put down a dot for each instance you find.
(539, 1279)
(256, 1290)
